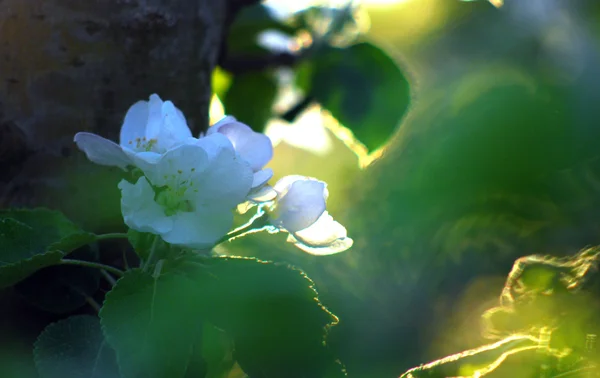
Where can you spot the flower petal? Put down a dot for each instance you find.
(200, 229)
(155, 117)
(144, 160)
(261, 177)
(213, 144)
(134, 125)
(301, 205)
(285, 183)
(227, 179)
(139, 209)
(256, 148)
(102, 151)
(224, 121)
(183, 163)
(264, 194)
(174, 129)
(324, 237)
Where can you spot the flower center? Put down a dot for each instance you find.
(143, 144)
(173, 199)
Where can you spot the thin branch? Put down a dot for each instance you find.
(90, 264)
(92, 302)
(114, 235)
(108, 277)
(151, 255)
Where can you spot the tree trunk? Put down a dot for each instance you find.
(77, 65)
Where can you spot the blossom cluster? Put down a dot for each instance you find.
(190, 186)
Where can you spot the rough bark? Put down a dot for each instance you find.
(74, 65)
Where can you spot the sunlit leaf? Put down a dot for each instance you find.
(363, 88)
(33, 239)
(272, 313)
(74, 348)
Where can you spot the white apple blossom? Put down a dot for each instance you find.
(188, 194)
(255, 148)
(150, 129)
(300, 209)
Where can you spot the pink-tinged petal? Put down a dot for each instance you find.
(324, 237)
(102, 151)
(301, 205)
(261, 177)
(256, 148)
(285, 183)
(134, 125)
(200, 229)
(213, 144)
(139, 209)
(224, 121)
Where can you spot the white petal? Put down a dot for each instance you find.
(174, 128)
(301, 205)
(264, 194)
(227, 179)
(255, 147)
(145, 160)
(199, 229)
(102, 151)
(184, 163)
(324, 237)
(155, 117)
(134, 124)
(139, 209)
(261, 177)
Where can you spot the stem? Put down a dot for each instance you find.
(91, 301)
(258, 222)
(108, 277)
(114, 235)
(90, 264)
(151, 255)
(95, 305)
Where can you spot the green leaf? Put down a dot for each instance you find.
(74, 348)
(152, 323)
(213, 354)
(363, 88)
(33, 239)
(250, 98)
(249, 22)
(271, 311)
(63, 288)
